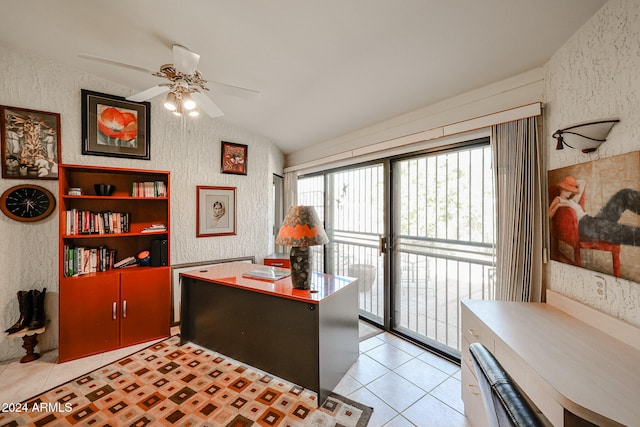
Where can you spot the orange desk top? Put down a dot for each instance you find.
(230, 274)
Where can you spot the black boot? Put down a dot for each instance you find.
(25, 303)
(37, 320)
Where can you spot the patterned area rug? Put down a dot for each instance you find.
(167, 384)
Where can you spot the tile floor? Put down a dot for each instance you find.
(406, 385)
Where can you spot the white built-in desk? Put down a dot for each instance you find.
(576, 364)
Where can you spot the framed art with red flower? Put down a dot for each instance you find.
(234, 158)
(115, 127)
(30, 143)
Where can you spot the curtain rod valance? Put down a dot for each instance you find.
(486, 121)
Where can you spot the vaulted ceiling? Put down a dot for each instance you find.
(323, 68)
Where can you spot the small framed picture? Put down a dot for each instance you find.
(115, 127)
(234, 158)
(30, 143)
(215, 211)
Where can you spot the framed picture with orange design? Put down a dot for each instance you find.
(234, 158)
(115, 127)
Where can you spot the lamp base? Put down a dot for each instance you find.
(300, 257)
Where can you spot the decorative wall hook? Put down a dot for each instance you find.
(586, 137)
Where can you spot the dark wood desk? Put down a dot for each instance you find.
(310, 339)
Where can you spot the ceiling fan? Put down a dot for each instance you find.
(186, 88)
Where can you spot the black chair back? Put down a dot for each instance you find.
(505, 403)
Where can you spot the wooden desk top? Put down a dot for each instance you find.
(588, 370)
(230, 274)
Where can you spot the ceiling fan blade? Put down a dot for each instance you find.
(184, 59)
(239, 92)
(148, 94)
(207, 105)
(112, 62)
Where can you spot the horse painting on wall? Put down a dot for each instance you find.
(594, 213)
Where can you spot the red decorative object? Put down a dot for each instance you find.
(118, 124)
(234, 158)
(114, 126)
(565, 229)
(277, 260)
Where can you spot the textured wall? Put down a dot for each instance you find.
(190, 149)
(593, 76)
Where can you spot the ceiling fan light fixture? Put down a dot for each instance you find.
(187, 102)
(172, 102)
(194, 113)
(178, 110)
(183, 78)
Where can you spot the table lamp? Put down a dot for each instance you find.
(300, 229)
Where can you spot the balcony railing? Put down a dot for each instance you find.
(431, 278)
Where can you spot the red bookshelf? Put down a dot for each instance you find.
(102, 308)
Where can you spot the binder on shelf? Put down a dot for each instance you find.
(159, 253)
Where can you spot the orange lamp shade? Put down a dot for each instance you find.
(301, 227)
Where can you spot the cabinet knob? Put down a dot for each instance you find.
(473, 332)
(124, 308)
(114, 311)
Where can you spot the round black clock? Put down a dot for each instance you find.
(27, 203)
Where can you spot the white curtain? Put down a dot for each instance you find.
(519, 168)
(290, 190)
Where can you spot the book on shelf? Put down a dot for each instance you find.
(84, 260)
(267, 273)
(127, 262)
(149, 189)
(154, 228)
(87, 222)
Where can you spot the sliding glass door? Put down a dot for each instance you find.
(418, 232)
(311, 193)
(444, 241)
(356, 228)
(351, 203)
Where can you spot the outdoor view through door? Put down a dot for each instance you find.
(352, 204)
(444, 246)
(441, 232)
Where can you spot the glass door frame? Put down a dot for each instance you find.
(383, 238)
(394, 193)
(388, 241)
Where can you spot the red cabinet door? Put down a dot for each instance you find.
(145, 304)
(89, 315)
